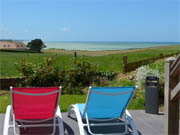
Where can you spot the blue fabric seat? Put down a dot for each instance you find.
(106, 102)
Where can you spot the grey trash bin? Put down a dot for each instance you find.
(152, 94)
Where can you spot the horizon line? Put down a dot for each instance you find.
(91, 41)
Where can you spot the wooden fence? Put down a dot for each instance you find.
(172, 96)
(128, 67)
(5, 83)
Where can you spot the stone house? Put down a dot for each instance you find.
(12, 45)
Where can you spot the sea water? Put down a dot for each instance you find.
(94, 46)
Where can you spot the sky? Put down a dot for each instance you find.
(91, 20)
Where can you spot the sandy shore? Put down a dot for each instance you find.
(104, 52)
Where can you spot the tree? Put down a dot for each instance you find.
(36, 45)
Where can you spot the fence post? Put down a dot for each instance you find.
(124, 63)
(75, 54)
(161, 55)
(171, 109)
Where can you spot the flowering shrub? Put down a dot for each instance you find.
(73, 80)
(41, 74)
(144, 71)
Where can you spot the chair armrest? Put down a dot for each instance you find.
(6, 120)
(58, 114)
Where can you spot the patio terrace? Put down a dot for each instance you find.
(147, 124)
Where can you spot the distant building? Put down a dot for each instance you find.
(12, 45)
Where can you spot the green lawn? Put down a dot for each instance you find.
(4, 101)
(67, 100)
(104, 63)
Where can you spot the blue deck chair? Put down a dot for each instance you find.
(105, 104)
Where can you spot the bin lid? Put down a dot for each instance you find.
(152, 78)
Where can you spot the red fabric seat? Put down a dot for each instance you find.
(29, 107)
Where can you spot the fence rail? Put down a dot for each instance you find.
(175, 67)
(128, 67)
(175, 92)
(172, 96)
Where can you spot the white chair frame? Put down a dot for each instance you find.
(9, 116)
(127, 120)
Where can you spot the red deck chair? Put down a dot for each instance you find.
(34, 106)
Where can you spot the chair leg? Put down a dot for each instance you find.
(75, 109)
(131, 123)
(6, 120)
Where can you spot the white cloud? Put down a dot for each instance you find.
(65, 29)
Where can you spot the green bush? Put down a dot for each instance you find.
(41, 74)
(81, 75)
(73, 81)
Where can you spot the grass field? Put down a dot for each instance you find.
(111, 62)
(138, 101)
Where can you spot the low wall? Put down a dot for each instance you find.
(5, 83)
(128, 67)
